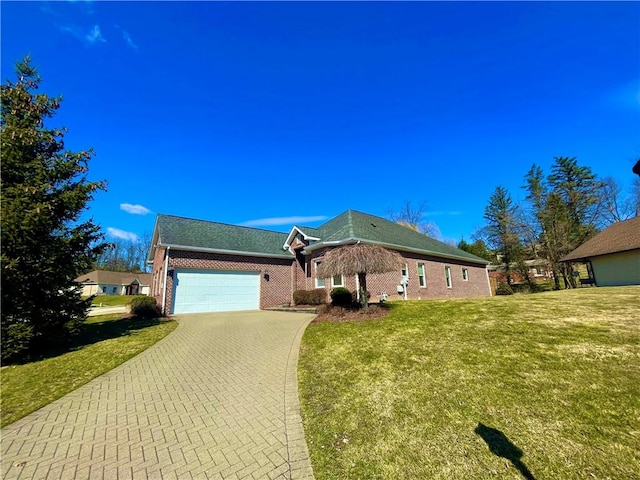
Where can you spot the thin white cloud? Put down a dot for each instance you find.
(134, 209)
(94, 35)
(263, 222)
(127, 38)
(117, 233)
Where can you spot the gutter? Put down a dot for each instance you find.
(226, 252)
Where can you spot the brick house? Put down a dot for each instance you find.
(202, 266)
(539, 271)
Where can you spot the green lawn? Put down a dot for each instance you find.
(543, 386)
(113, 300)
(106, 342)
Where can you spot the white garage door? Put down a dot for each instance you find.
(198, 291)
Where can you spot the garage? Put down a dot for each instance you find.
(199, 291)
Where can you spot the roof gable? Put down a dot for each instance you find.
(307, 233)
(619, 237)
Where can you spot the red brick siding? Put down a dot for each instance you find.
(275, 291)
(158, 275)
(286, 276)
(436, 286)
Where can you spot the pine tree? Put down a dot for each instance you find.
(566, 206)
(502, 230)
(477, 248)
(579, 190)
(45, 245)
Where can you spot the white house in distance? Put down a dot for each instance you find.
(104, 282)
(614, 254)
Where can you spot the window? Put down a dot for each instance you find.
(337, 281)
(422, 279)
(465, 274)
(115, 289)
(447, 276)
(319, 281)
(104, 289)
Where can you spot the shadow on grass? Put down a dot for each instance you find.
(97, 332)
(501, 446)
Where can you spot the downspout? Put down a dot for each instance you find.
(164, 287)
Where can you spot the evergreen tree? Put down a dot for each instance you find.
(579, 190)
(502, 230)
(566, 207)
(477, 248)
(45, 245)
(546, 220)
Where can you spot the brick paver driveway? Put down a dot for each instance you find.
(216, 399)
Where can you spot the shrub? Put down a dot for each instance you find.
(526, 288)
(309, 297)
(503, 289)
(341, 297)
(145, 307)
(16, 340)
(299, 297)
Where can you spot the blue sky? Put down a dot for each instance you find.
(269, 114)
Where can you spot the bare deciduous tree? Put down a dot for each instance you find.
(412, 217)
(615, 205)
(126, 255)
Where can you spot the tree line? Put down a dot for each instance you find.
(561, 211)
(125, 255)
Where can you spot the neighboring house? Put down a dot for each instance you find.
(104, 282)
(613, 255)
(201, 266)
(539, 271)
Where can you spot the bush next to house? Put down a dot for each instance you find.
(145, 307)
(504, 289)
(309, 297)
(341, 297)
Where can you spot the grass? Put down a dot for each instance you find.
(113, 300)
(527, 386)
(106, 342)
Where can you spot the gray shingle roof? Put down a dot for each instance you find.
(201, 234)
(347, 227)
(619, 237)
(354, 225)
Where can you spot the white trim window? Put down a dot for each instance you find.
(319, 282)
(447, 276)
(422, 278)
(465, 274)
(337, 281)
